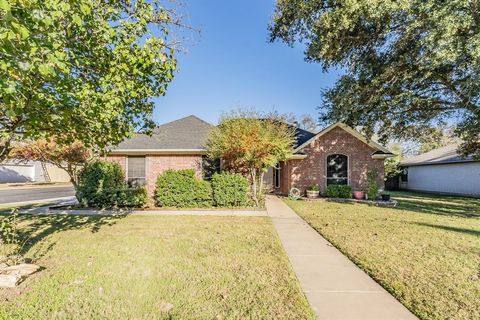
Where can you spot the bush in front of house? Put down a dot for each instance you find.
(203, 194)
(339, 191)
(181, 189)
(132, 197)
(372, 184)
(230, 190)
(102, 184)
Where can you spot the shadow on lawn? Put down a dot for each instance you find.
(440, 205)
(447, 228)
(35, 230)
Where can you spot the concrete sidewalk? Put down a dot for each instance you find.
(46, 210)
(334, 286)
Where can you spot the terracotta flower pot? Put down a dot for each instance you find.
(359, 195)
(312, 194)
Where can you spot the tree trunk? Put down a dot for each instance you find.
(260, 185)
(73, 174)
(253, 175)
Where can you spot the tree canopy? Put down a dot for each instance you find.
(410, 65)
(81, 70)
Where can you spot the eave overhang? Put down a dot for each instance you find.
(382, 156)
(297, 157)
(157, 151)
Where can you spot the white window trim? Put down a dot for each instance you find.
(276, 172)
(326, 167)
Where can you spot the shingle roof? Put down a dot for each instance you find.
(447, 154)
(189, 133)
(302, 136)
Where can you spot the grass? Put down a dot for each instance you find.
(138, 267)
(426, 251)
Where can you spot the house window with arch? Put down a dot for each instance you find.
(337, 169)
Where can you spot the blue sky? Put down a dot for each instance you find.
(231, 64)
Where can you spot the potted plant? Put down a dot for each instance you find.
(313, 191)
(359, 194)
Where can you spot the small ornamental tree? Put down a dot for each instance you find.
(71, 157)
(249, 143)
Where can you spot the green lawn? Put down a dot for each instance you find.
(426, 251)
(135, 267)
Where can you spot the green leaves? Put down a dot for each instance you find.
(82, 70)
(409, 65)
(45, 70)
(77, 20)
(4, 5)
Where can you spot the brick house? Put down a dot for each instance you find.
(336, 155)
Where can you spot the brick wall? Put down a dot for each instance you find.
(312, 169)
(157, 164)
(122, 160)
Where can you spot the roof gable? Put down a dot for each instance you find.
(376, 146)
(189, 133)
(301, 136)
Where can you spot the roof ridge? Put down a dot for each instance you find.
(198, 118)
(181, 119)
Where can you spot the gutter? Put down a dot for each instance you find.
(156, 151)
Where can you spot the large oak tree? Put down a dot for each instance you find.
(410, 65)
(83, 70)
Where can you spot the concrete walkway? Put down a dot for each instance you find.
(334, 286)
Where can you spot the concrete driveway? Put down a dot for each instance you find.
(28, 194)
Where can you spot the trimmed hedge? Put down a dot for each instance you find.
(181, 189)
(131, 197)
(203, 194)
(102, 184)
(339, 191)
(229, 190)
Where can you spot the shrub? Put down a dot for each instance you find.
(203, 194)
(313, 187)
(372, 185)
(96, 182)
(132, 197)
(230, 190)
(338, 191)
(102, 184)
(181, 189)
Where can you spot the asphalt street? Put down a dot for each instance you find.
(29, 194)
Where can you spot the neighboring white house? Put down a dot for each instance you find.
(442, 170)
(15, 171)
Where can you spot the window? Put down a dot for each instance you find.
(404, 175)
(136, 171)
(337, 169)
(276, 176)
